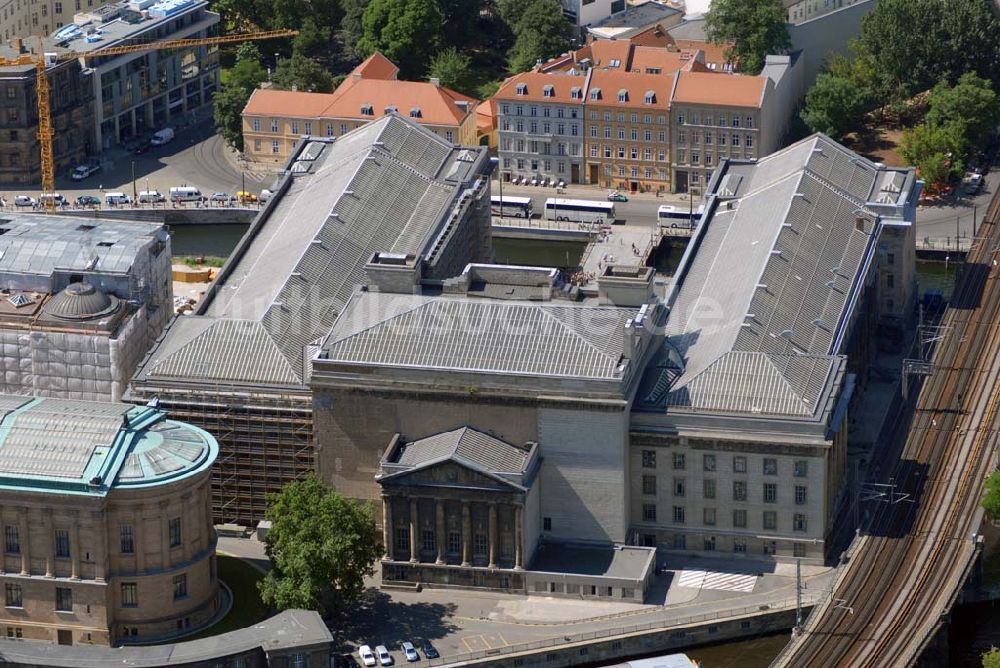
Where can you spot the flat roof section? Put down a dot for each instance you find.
(621, 562)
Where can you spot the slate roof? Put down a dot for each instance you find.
(485, 336)
(466, 446)
(764, 335)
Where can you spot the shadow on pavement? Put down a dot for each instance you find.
(379, 620)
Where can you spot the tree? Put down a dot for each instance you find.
(756, 28)
(971, 103)
(991, 502)
(991, 659)
(302, 73)
(314, 40)
(460, 18)
(452, 69)
(936, 150)
(230, 100)
(351, 25)
(540, 30)
(833, 106)
(321, 547)
(407, 32)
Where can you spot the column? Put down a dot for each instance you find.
(100, 532)
(466, 534)
(164, 535)
(74, 547)
(440, 530)
(518, 538)
(3, 558)
(25, 540)
(493, 535)
(387, 525)
(187, 510)
(49, 542)
(414, 526)
(139, 536)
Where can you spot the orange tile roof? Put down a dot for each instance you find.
(437, 104)
(714, 53)
(376, 66)
(273, 102)
(486, 116)
(562, 84)
(719, 89)
(653, 36)
(603, 52)
(666, 61)
(611, 82)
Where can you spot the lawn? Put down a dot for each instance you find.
(242, 579)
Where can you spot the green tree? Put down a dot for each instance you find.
(321, 547)
(991, 659)
(302, 73)
(407, 32)
(991, 502)
(314, 40)
(540, 30)
(230, 100)
(936, 150)
(756, 28)
(351, 25)
(833, 106)
(460, 19)
(452, 68)
(972, 103)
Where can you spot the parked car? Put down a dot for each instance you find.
(409, 651)
(367, 657)
(220, 197)
(384, 657)
(350, 661)
(972, 183)
(161, 137)
(88, 200)
(246, 196)
(266, 195)
(428, 649)
(24, 200)
(142, 146)
(83, 171)
(615, 196)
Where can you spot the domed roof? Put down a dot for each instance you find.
(81, 301)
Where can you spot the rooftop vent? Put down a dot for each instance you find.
(19, 300)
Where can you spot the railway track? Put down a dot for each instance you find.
(904, 575)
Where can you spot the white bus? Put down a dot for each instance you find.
(579, 210)
(517, 207)
(679, 216)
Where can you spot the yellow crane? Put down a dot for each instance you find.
(42, 84)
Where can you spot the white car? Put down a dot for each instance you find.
(383, 655)
(24, 200)
(367, 657)
(83, 171)
(409, 651)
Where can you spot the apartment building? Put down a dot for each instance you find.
(540, 116)
(275, 120)
(19, 18)
(585, 12)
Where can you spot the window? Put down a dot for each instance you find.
(695, 158)
(735, 140)
(633, 153)
(295, 127)
(739, 518)
(11, 540)
(680, 119)
(343, 128)
(649, 512)
(739, 490)
(649, 484)
(708, 158)
(449, 135)
(680, 542)
(695, 176)
(770, 520)
(708, 488)
(623, 95)
(749, 141)
(480, 544)
(62, 543)
(770, 492)
(799, 522)
(749, 123)
(256, 125)
(546, 524)
(180, 586)
(522, 89)
(709, 517)
(708, 119)
(427, 541)
(736, 121)
(127, 541)
(64, 599)
(770, 466)
(722, 120)
(130, 595)
(593, 151)
(890, 259)
(681, 156)
(329, 129)
(890, 280)
(679, 487)
(14, 599)
(309, 127)
(634, 134)
(661, 136)
(621, 151)
(800, 495)
(274, 146)
(256, 145)
(647, 135)
(801, 468)
(678, 461)
(739, 464)
(678, 514)
(681, 137)
(175, 532)
(722, 139)
(739, 546)
(402, 539)
(274, 125)
(15, 632)
(798, 550)
(649, 459)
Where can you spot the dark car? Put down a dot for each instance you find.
(429, 650)
(142, 146)
(348, 661)
(88, 200)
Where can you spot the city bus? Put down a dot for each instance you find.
(516, 207)
(678, 216)
(579, 210)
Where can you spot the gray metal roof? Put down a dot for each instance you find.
(756, 322)
(466, 446)
(485, 336)
(385, 187)
(40, 244)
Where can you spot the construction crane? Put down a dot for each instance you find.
(41, 61)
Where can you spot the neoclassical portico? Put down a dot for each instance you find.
(456, 509)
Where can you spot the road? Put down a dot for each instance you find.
(904, 574)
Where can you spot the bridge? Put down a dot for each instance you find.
(901, 578)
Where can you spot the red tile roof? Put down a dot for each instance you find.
(376, 66)
(562, 84)
(438, 105)
(286, 103)
(611, 83)
(715, 88)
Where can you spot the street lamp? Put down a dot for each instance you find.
(135, 194)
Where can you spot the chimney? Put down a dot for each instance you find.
(436, 81)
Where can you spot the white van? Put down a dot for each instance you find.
(117, 199)
(185, 194)
(164, 136)
(151, 197)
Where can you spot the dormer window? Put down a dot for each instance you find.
(574, 93)
(614, 62)
(595, 93)
(522, 89)
(367, 110)
(623, 95)
(415, 112)
(548, 91)
(650, 97)
(389, 109)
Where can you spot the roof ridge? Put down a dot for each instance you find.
(577, 335)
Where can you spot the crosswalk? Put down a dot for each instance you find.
(715, 580)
